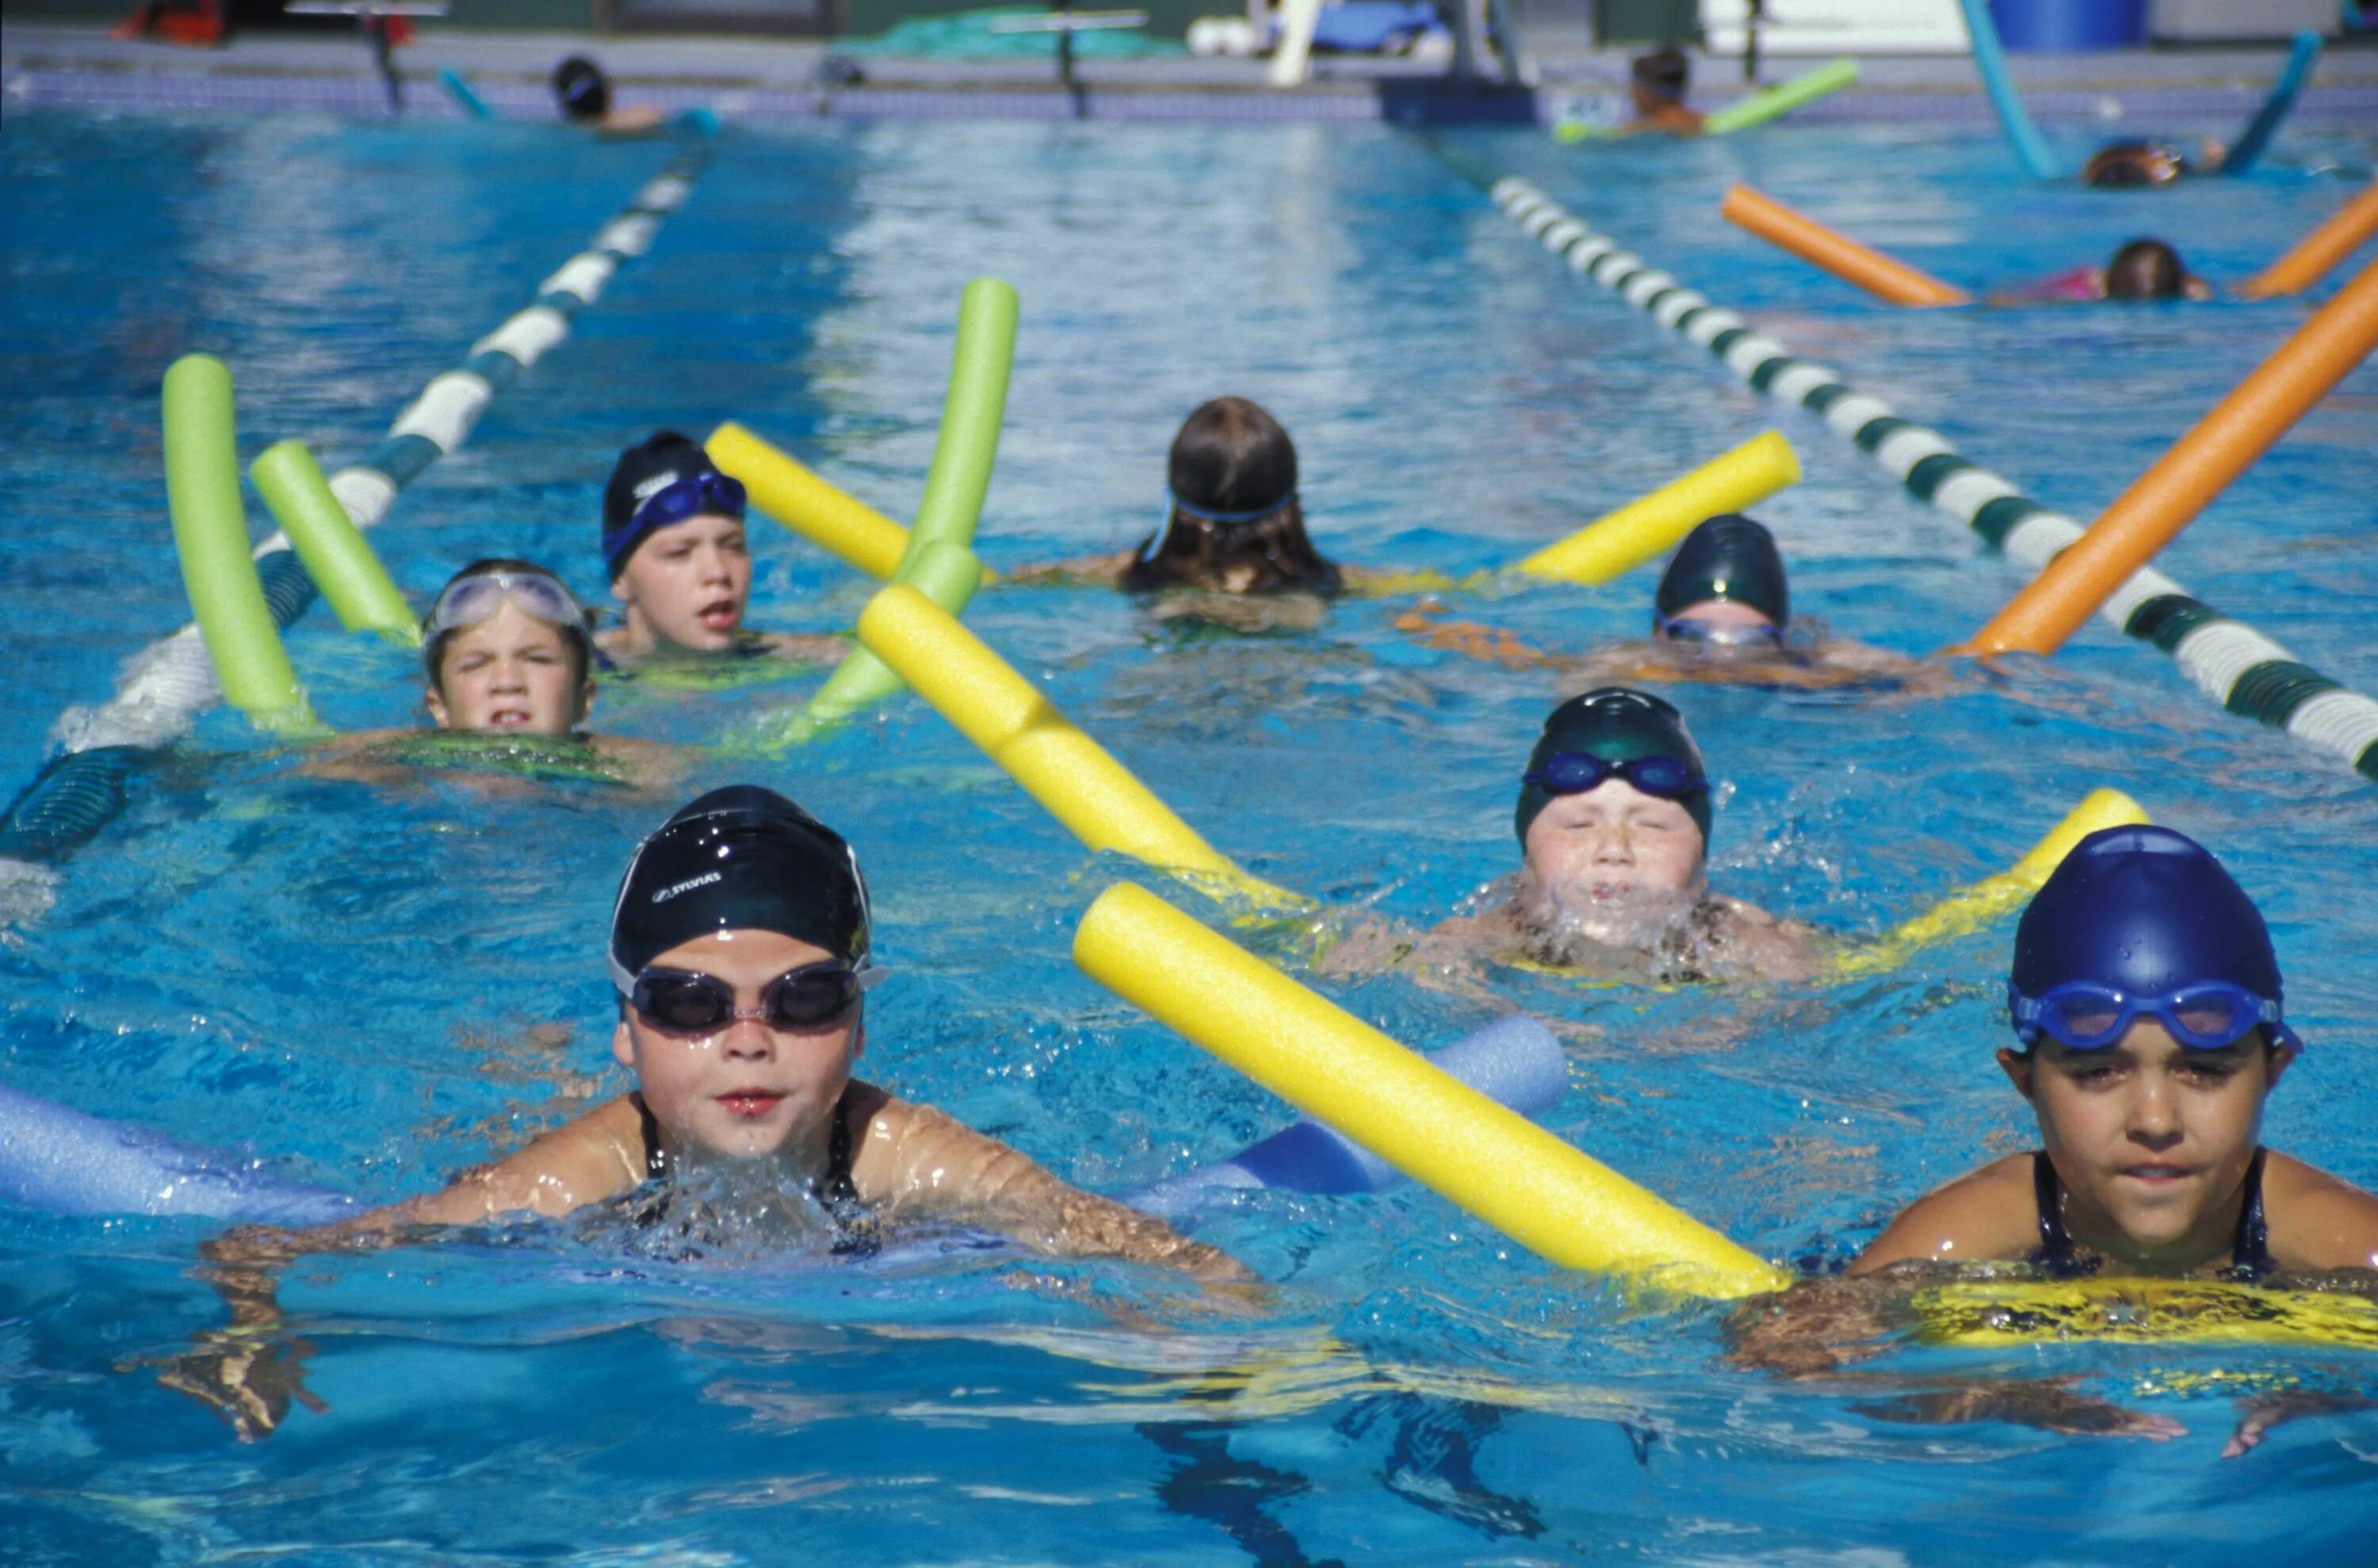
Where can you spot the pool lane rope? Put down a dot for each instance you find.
(2244, 670)
(168, 683)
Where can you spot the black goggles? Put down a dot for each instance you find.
(1574, 773)
(691, 1004)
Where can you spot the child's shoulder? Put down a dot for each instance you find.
(1988, 1213)
(2317, 1221)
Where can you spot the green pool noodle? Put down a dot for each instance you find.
(971, 416)
(210, 534)
(943, 573)
(336, 555)
(955, 487)
(1783, 98)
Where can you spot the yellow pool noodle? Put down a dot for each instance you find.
(1094, 796)
(1638, 532)
(1989, 1315)
(834, 520)
(1488, 1159)
(1988, 899)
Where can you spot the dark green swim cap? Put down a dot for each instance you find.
(1616, 724)
(1730, 558)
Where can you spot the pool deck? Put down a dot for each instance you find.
(765, 78)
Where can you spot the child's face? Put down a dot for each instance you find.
(748, 1091)
(2150, 1138)
(1610, 845)
(687, 584)
(512, 673)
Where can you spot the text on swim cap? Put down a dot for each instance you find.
(687, 885)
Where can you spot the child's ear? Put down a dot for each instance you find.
(436, 704)
(2017, 1065)
(623, 1047)
(2276, 1062)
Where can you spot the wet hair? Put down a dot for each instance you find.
(2129, 165)
(2145, 268)
(1665, 71)
(1234, 507)
(433, 652)
(580, 84)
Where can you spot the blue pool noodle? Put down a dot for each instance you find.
(1991, 60)
(67, 1163)
(459, 92)
(1516, 1062)
(2248, 149)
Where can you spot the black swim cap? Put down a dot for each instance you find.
(578, 82)
(2145, 910)
(1615, 724)
(1730, 558)
(738, 859)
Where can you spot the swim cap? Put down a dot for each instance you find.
(738, 859)
(578, 82)
(2145, 910)
(1730, 558)
(1617, 725)
(665, 481)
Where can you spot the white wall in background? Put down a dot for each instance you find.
(2240, 18)
(1846, 26)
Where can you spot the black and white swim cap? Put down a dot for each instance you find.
(741, 858)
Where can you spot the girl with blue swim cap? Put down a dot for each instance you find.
(2149, 1031)
(2146, 1008)
(740, 956)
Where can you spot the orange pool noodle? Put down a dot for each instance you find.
(2183, 482)
(1836, 253)
(2318, 251)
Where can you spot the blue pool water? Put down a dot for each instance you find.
(374, 987)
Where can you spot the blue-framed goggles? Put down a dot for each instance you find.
(1685, 629)
(1574, 773)
(2084, 1015)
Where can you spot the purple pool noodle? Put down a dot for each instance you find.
(70, 1164)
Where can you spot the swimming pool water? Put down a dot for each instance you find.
(379, 986)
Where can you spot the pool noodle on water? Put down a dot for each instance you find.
(460, 92)
(1885, 277)
(1615, 544)
(337, 557)
(964, 454)
(2312, 258)
(1079, 783)
(1782, 99)
(829, 518)
(2030, 147)
(211, 536)
(67, 1163)
(2247, 150)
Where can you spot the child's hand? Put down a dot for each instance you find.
(2049, 1406)
(246, 1378)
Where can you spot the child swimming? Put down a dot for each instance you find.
(506, 655)
(739, 953)
(1656, 86)
(2146, 1007)
(2143, 270)
(584, 94)
(1613, 820)
(1233, 548)
(680, 566)
(1722, 614)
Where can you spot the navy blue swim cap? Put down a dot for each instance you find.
(740, 858)
(2145, 910)
(1615, 724)
(1730, 557)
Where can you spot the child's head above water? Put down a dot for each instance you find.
(2146, 268)
(673, 543)
(1659, 78)
(1615, 807)
(2145, 1001)
(2132, 164)
(505, 650)
(582, 89)
(1236, 525)
(739, 946)
(1724, 585)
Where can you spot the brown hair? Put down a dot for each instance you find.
(1236, 525)
(2145, 268)
(433, 650)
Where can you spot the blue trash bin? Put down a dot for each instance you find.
(2070, 27)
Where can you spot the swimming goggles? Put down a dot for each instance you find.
(693, 496)
(1684, 629)
(469, 600)
(691, 1005)
(2086, 1016)
(1574, 773)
